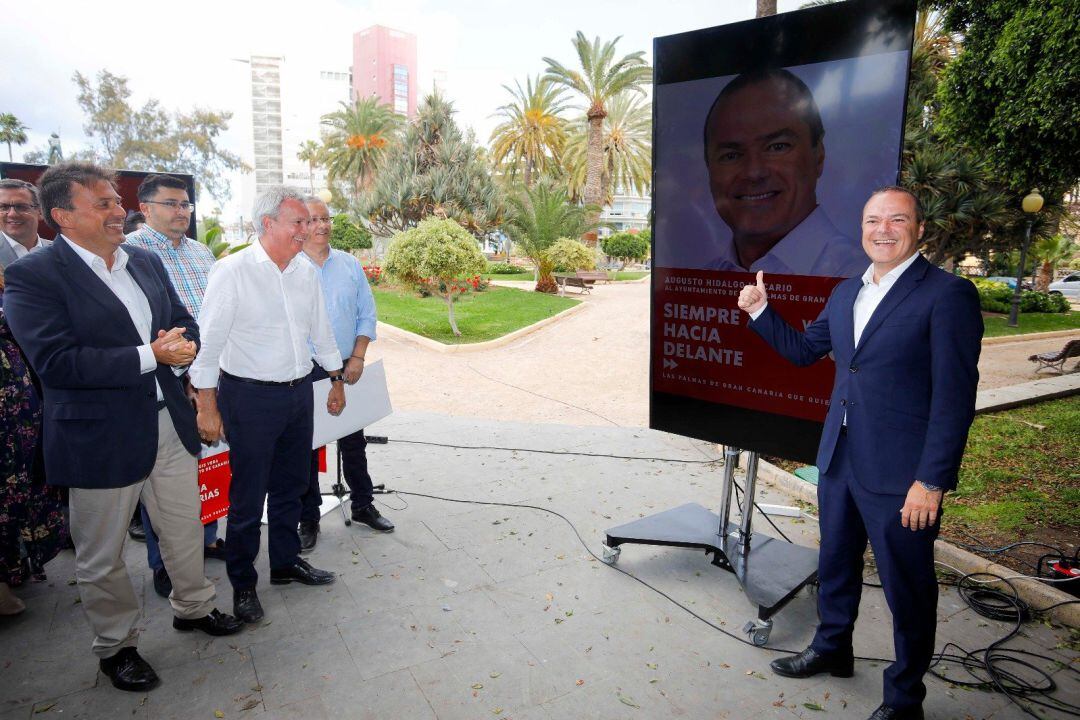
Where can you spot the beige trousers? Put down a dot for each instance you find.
(99, 521)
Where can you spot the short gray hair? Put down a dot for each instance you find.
(13, 184)
(268, 205)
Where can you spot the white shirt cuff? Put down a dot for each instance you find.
(756, 315)
(203, 378)
(147, 361)
(329, 361)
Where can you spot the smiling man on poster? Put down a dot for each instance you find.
(765, 151)
(906, 338)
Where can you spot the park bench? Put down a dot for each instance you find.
(563, 280)
(591, 276)
(1057, 359)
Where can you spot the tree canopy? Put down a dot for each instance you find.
(151, 138)
(1013, 94)
(438, 171)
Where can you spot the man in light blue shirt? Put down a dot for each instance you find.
(351, 308)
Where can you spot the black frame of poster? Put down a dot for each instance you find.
(829, 32)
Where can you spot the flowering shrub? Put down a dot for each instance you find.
(373, 273)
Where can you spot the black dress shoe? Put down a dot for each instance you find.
(246, 606)
(136, 531)
(162, 583)
(301, 572)
(216, 623)
(370, 516)
(309, 535)
(215, 551)
(810, 662)
(128, 671)
(884, 712)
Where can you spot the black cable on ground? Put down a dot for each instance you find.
(993, 668)
(559, 452)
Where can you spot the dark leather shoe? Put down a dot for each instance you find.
(809, 662)
(309, 535)
(216, 623)
(301, 572)
(215, 551)
(128, 671)
(370, 516)
(162, 583)
(884, 712)
(246, 606)
(136, 531)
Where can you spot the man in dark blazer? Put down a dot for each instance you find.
(107, 335)
(906, 338)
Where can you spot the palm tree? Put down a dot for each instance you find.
(357, 137)
(627, 149)
(311, 153)
(1049, 252)
(532, 133)
(538, 217)
(12, 131)
(600, 79)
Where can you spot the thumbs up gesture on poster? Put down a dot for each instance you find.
(753, 297)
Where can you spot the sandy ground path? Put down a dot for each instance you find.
(589, 369)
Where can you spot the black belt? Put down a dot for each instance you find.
(270, 383)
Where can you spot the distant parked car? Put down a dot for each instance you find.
(1069, 286)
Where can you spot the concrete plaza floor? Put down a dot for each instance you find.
(471, 612)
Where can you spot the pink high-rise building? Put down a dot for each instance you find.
(384, 65)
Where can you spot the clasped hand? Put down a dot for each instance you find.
(172, 348)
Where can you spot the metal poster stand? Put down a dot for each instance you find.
(770, 571)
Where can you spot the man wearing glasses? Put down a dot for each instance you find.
(19, 215)
(164, 201)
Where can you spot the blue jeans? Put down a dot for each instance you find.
(153, 553)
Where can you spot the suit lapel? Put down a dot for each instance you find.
(903, 286)
(7, 254)
(81, 276)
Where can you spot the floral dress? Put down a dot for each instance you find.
(32, 524)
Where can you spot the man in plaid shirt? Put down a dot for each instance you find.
(164, 200)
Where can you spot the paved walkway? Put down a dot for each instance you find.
(589, 369)
(471, 612)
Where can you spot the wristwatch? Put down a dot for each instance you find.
(337, 378)
(928, 486)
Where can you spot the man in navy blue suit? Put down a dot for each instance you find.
(108, 336)
(906, 338)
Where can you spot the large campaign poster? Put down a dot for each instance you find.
(769, 135)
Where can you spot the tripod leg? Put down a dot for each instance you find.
(339, 489)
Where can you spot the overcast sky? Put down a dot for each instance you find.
(179, 53)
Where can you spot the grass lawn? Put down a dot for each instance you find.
(1020, 481)
(514, 276)
(619, 276)
(480, 316)
(997, 325)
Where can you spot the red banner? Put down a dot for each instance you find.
(214, 478)
(702, 347)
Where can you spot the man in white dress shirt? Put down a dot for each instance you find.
(253, 375)
(20, 212)
(765, 150)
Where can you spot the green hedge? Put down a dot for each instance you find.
(997, 297)
(506, 269)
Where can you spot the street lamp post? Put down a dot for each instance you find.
(1032, 203)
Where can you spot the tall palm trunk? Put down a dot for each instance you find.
(594, 166)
